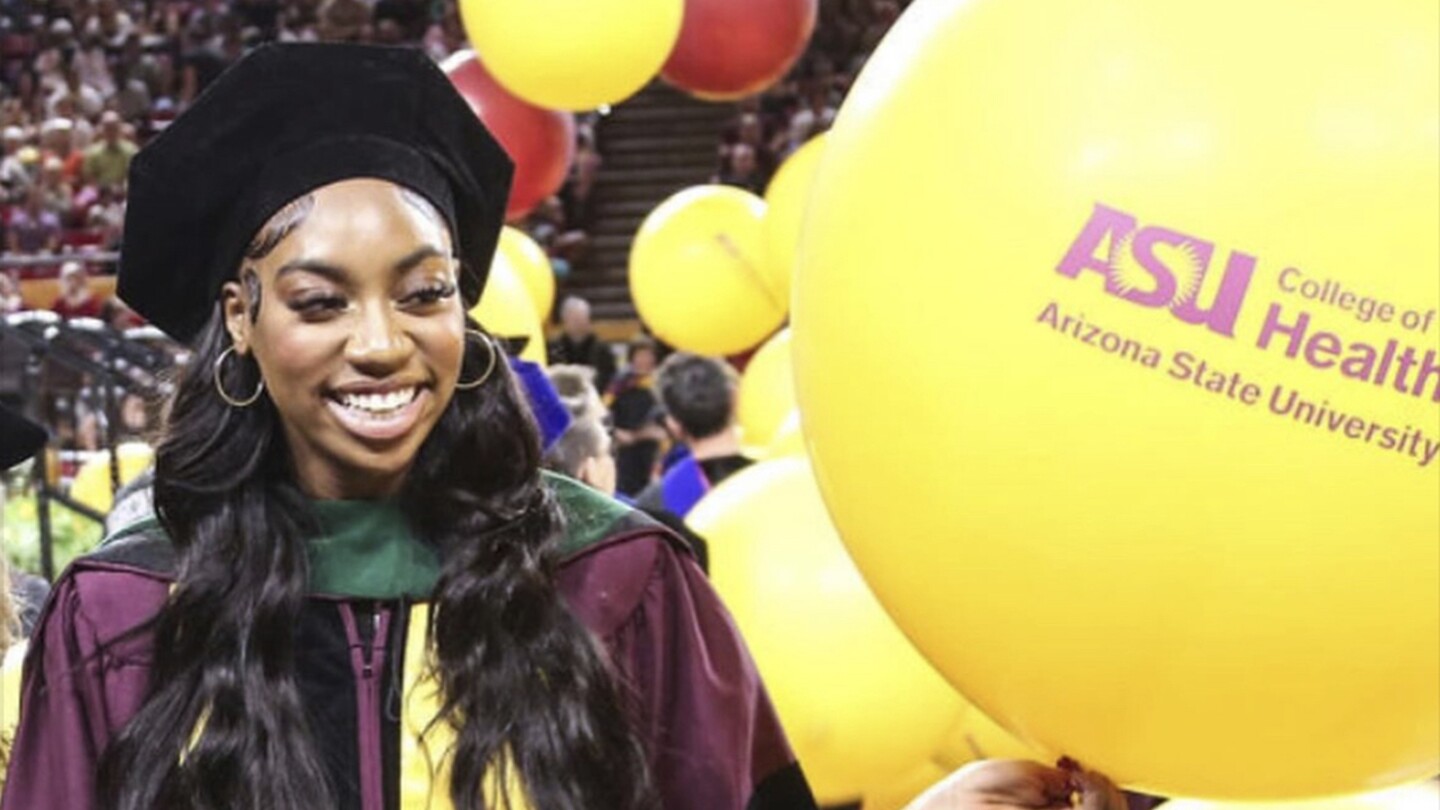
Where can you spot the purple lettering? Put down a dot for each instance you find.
(1429, 374)
(1273, 326)
(1321, 348)
(1225, 309)
(1106, 227)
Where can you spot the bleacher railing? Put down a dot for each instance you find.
(105, 365)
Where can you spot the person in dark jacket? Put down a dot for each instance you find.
(579, 345)
(698, 397)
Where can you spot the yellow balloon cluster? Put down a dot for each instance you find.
(859, 704)
(569, 55)
(785, 201)
(506, 309)
(530, 263)
(1147, 459)
(695, 272)
(767, 393)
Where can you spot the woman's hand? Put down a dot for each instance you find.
(1020, 785)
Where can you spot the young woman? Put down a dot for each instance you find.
(360, 591)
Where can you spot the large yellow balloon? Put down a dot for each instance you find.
(1422, 796)
(785, 200)
(91, 486)
(767, 392)
(570, 55)
(859, 704)
(975, 736)
(789, 438)
(1157, 381)
(530, 263)
(506, 309)
(694, 272)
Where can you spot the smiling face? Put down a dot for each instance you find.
(355, 320)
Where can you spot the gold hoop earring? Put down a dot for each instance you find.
(220, 386)
(490, 369)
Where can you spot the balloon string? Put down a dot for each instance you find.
(735, 253)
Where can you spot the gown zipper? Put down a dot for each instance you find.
(367, 659)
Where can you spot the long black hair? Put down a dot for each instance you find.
(524, 684)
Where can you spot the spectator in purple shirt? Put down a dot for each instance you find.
(33, 229)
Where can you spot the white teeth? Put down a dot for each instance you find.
(378, 403)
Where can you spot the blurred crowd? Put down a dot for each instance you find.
(768, 127)
(85, 83)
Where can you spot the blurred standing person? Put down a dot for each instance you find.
(578, 343)
(583, 174)
(635, 412)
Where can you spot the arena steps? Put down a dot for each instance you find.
(653, 145)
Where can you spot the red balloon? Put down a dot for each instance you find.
(540, 141)
(729, 49)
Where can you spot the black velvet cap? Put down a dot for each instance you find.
(19, 438)
(285, 120)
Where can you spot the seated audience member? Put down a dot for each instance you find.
(740, 169)
(33, 229)
(57, 195)
(578, 344)
(108, 160)
(565, 245)
(15, 179)
(57, 139)
(698, 395)
(76, 298)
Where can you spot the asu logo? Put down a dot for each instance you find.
(1160, 268)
